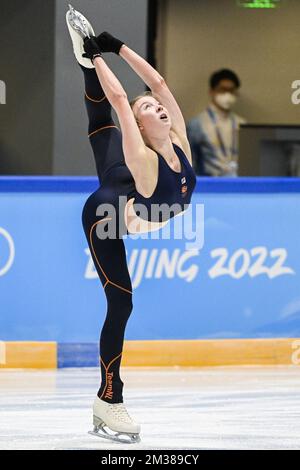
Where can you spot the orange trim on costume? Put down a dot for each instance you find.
(120, 287)
(101, 129)
(91, 242)
(106, 371)
(95, 101)
(102, 270)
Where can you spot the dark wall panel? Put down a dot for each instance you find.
(27, 68)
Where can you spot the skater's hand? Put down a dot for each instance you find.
(108, 43)
(91, 48)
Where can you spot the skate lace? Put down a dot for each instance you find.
(120, 412)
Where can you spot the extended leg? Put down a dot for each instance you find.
(97, 105)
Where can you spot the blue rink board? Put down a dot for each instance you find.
(243, 283)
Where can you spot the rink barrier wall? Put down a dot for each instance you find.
(187, 353)
(27, 340)
(28, 355)
(88, 184)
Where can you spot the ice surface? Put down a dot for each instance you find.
(188, 408)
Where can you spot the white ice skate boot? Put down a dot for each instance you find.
(79, 28)
(112, 421)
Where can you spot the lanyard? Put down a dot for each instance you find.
(219, 136)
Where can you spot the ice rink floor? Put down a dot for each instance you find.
(207, 408)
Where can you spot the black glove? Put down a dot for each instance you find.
(91, 48)
(108, 43)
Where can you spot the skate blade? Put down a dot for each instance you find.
(130, 438)
(78, 23)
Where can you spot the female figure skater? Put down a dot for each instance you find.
(148, 162)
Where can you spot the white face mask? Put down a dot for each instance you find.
(225, 100)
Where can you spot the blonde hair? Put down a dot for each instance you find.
(146, 93)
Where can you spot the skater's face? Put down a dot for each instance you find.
(152, 118)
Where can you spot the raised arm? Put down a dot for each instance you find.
(135, 151)
(144, 70)
(161, 92)
(149, 75)
(157, 85)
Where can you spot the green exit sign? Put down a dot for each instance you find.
(258, 3)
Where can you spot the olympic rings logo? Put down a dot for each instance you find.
(11, 255)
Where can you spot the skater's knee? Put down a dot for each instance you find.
(119, 302)
(121, 298)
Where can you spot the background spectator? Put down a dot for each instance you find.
(213, 134)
